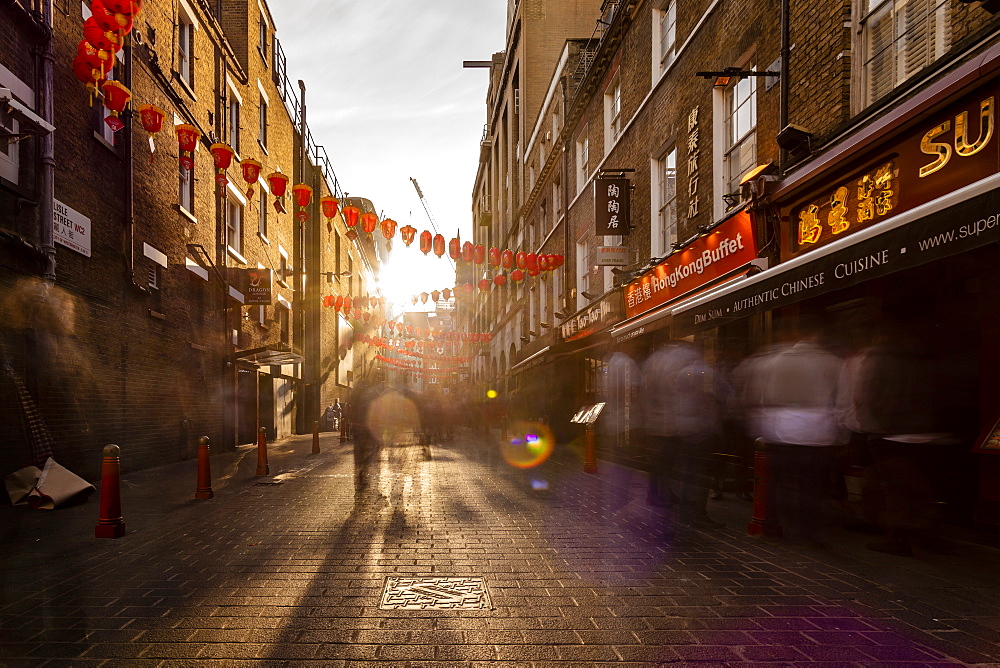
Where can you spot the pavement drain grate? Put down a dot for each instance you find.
(435, 594)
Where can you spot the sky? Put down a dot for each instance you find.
(387, 96)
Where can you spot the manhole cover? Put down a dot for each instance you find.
(435, 594)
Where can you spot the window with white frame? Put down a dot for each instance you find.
(557, 198)
(262, 213)
(262, 123)
(185, 189)
(185, 49)
(234, 120)
(262, 38)
(740, 156)
(234, 224)
(582, 159)
(102, 129)
(9, 153)
(582, 272)
(613, 113)
(666, 30)
(900, 38)
(665, 196)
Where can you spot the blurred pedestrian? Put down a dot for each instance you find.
(620, 390)
(790, 392)
(682, 418)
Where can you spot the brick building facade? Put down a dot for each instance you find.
(139, 333)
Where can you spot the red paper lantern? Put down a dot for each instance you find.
(507, 259)
(101, 39)
(479, 253)
(251, 173)
(484, 284)
(329, 205)
(366, 316)
(351, 214)
(438, 245)
(495, 256)
(88, 75)
(454, 248)
(187, 140)
(467, 252)
(388, 231)
(446, 293)
(522, 259)
(560, 260)
(531, 260)
(533, 272)
(303, 194)
(543, 262)
(517, 275)
(499, 280)
(435, 295)
(328, 301)
(423, 297)
(222, 154)
(94, 58)
(278, 183)
(408, 233)
(151, 117)
(369, 221)
(109, 20)
(347, 303)
(116, 97)
(126, 7)
(426, 239)
(339, 302)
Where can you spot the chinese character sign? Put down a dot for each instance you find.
(611, 206)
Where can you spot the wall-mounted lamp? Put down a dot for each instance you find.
(677, 245)
(731, 199)
(587, 295)
(330, 275)
(725, 76)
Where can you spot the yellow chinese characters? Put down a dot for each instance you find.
(875, 195)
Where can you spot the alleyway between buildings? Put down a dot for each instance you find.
(449, 556)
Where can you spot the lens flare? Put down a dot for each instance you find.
(491, 394)
(529, 444)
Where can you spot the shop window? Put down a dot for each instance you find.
(9, 151)
(900, 38)
(664, 197)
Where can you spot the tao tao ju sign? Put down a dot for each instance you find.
(611, 205)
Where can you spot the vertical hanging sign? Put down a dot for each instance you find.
(611, 205)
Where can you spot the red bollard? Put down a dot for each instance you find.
(315, 449)
(763, 521)
(262, 467)
(589, 451)
(204, 490)
(110, 523)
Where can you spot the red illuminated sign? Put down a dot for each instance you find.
(728, 247)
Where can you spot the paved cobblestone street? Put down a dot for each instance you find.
(576, 568)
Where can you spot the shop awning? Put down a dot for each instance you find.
(272, 355)
(659, 318)
(960, 221)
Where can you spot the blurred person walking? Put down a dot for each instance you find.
(682, 418)
(790, 393)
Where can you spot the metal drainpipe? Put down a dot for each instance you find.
(783, 93)
(565, 194)
(47, 108)
(306, 411)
